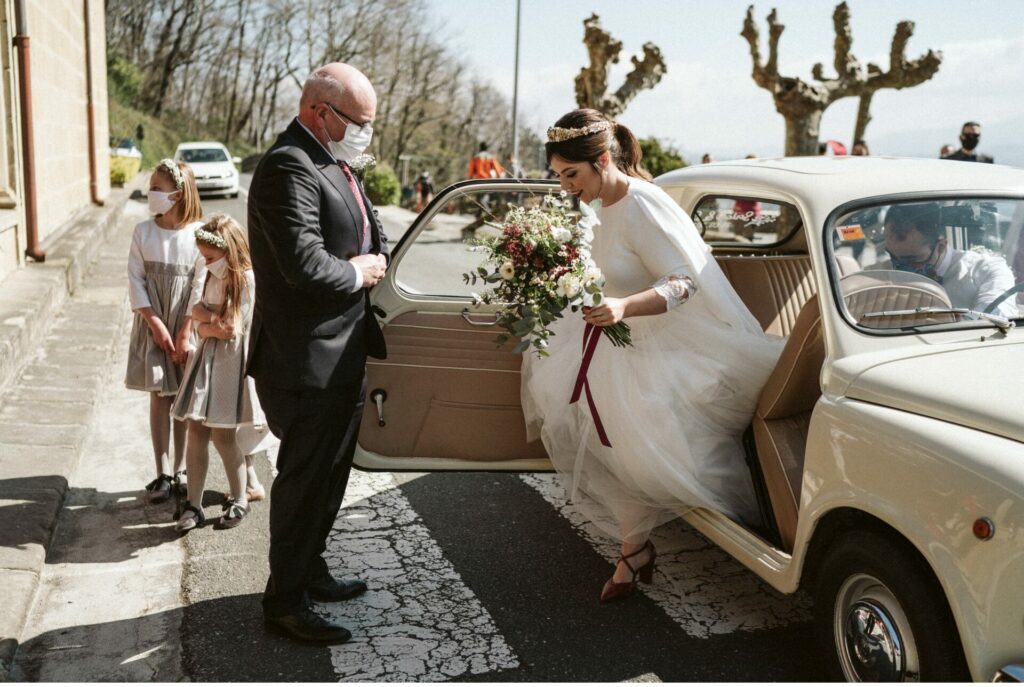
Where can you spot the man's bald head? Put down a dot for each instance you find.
(341, 86)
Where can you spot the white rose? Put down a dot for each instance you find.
(561, 234)
(568, 285)
(507, 271)
(592, 275)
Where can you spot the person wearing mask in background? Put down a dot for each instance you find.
(970, 135)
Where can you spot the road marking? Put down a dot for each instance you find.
(419, 622)
(697, 584)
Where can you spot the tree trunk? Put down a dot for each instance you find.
(802, 134)
(863, 115)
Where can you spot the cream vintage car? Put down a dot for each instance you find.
(887, 446)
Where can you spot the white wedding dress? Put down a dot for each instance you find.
(675, 405)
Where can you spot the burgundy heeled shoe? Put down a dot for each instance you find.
(616, 590)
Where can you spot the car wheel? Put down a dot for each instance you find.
(881, 615)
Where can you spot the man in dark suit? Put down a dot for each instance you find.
(316, 248)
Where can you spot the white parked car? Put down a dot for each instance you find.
(887, 446)
(213, 166)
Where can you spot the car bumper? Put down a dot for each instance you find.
(217, 185)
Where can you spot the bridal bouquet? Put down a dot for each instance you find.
(540, 265)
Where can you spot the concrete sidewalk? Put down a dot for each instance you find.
(53, 345)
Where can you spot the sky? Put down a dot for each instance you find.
(707, 100)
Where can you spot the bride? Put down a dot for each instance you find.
(668, 413)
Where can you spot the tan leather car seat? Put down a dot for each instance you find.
(880, 290)
(783, 415)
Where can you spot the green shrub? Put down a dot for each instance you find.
(122, 169)
(659, 158)
(382, 186)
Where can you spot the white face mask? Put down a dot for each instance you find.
(218, 268)
(160, 202)
(353, 143)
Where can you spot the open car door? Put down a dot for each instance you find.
(447, 397)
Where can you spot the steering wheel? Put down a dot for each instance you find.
(1016, 288)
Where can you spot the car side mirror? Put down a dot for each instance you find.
(236, 160)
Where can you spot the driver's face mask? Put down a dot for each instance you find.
(925, 268)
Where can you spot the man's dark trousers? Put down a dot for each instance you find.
(318, 429)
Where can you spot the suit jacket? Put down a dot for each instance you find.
(311, 327)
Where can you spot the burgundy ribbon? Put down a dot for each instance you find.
(591, 335)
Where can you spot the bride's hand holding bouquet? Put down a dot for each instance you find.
(540, 265)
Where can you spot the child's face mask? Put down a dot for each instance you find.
(218, 268)
(160, 202)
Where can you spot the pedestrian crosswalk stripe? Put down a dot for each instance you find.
(697, 584)
(419, 622)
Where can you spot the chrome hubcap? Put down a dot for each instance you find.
(872, 634)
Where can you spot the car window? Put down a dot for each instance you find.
(442, 252)
(744, 219)
(192, 155)
(908, 264)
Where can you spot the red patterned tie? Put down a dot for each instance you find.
(359, 197)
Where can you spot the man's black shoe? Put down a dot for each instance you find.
(336, 590)
(307, 626)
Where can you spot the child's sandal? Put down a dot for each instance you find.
(159, 490)
(233, 515)
(191, 518)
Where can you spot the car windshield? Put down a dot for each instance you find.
(193, 155)
(925, 264)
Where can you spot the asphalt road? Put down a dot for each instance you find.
(472, 576)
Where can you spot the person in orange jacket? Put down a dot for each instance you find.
(484, 165)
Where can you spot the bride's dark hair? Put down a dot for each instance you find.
(617, 139)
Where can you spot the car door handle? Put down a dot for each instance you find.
(465, 316)
(378, 396)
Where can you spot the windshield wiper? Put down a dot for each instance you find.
(1002, 323)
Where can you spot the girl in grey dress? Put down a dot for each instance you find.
(216, 396)
(165, 273)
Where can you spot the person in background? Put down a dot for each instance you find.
(707, 159)
(425, 190)
(484, 165)
(515, 170)
(946, 150)
(860, 147)
(970, 136)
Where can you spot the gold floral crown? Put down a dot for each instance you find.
(215, 240)
(169, 166)
(557, 134)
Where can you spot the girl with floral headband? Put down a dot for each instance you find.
(216, 397)
(165, 279)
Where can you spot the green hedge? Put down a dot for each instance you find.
(382, 186)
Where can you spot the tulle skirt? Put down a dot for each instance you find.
(674, 408)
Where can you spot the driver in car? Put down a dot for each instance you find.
(915, 242)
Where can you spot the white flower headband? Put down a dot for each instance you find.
(557, 134)
(215, 240)
(169, 166)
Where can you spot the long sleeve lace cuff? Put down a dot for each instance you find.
(675, 289)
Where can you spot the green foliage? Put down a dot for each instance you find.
(124, 79)
(382, 185)
(659, 159)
